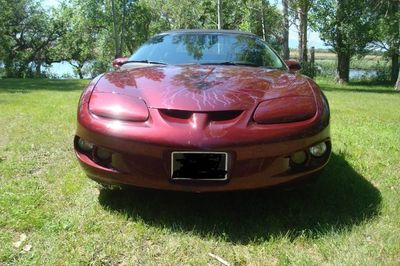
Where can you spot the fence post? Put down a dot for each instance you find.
(312, 62)
(312, 55)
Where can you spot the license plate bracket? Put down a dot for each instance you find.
(197, 165)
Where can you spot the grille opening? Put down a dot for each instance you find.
(223, 115)
(176, 113)
(212, 115)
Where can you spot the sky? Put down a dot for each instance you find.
(50, 2)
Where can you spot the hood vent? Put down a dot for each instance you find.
(211, 115)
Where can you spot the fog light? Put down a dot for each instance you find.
(319, 149)
(85, 145)
(103, 154)
(299, 157)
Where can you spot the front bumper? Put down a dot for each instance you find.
(250, 165)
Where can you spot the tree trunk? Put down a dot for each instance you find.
(9, 67)
(395, 66)
(38, 69)
(121, 46)
(343, 56)
(299, 47)
(312, 55)
(303, 16)
(343, 68)
(79, 70)
(115, 28)
(304, 37)
(286, 52)
(220, 19)
(397, 86)
(395, 47)
(263, 23)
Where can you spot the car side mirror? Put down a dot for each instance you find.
(293, 65)
(118, 62)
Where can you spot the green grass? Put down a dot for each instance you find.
(350, 216)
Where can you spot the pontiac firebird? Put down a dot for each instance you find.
(203, 111)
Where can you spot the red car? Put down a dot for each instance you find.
(202, 111)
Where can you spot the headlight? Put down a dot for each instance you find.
(285, 110)
(118, 106)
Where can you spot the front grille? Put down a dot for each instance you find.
(223, 115)
(211, 115)
(176, 113)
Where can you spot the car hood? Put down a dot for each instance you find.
(203, 87)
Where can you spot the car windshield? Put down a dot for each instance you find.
(207, 48)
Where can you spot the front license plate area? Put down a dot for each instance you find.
(199, 165)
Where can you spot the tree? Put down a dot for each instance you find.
(220, 16)
(285, 35)
(27, 34)
(139, 18)
(394, 38)
(78, 43)
(118, 24)
(387, 31)
(346, 26)
(301, 9)
(258, 17)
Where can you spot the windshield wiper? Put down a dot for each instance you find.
(144, 61)
(231, 63)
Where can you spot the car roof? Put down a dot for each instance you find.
(208, 31)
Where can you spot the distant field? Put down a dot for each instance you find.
(52, 214)
(332, 56)
(328, 61)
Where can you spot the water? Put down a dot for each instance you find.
(62, 69)
(362, 73)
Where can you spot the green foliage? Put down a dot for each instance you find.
(383, 72)
(262, 19)
(347, 26)
(387, 32)
(27, 34)
(309, 69)
(97, 67)
(78, 44)
(139, 19)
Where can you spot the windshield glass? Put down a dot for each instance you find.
(208, 48)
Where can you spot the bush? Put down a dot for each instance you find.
(308, 69)
(383, 72)
(326, 68)
(97, 67)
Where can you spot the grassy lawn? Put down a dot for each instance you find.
(350, 216)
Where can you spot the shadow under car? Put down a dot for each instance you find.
(340, 198)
